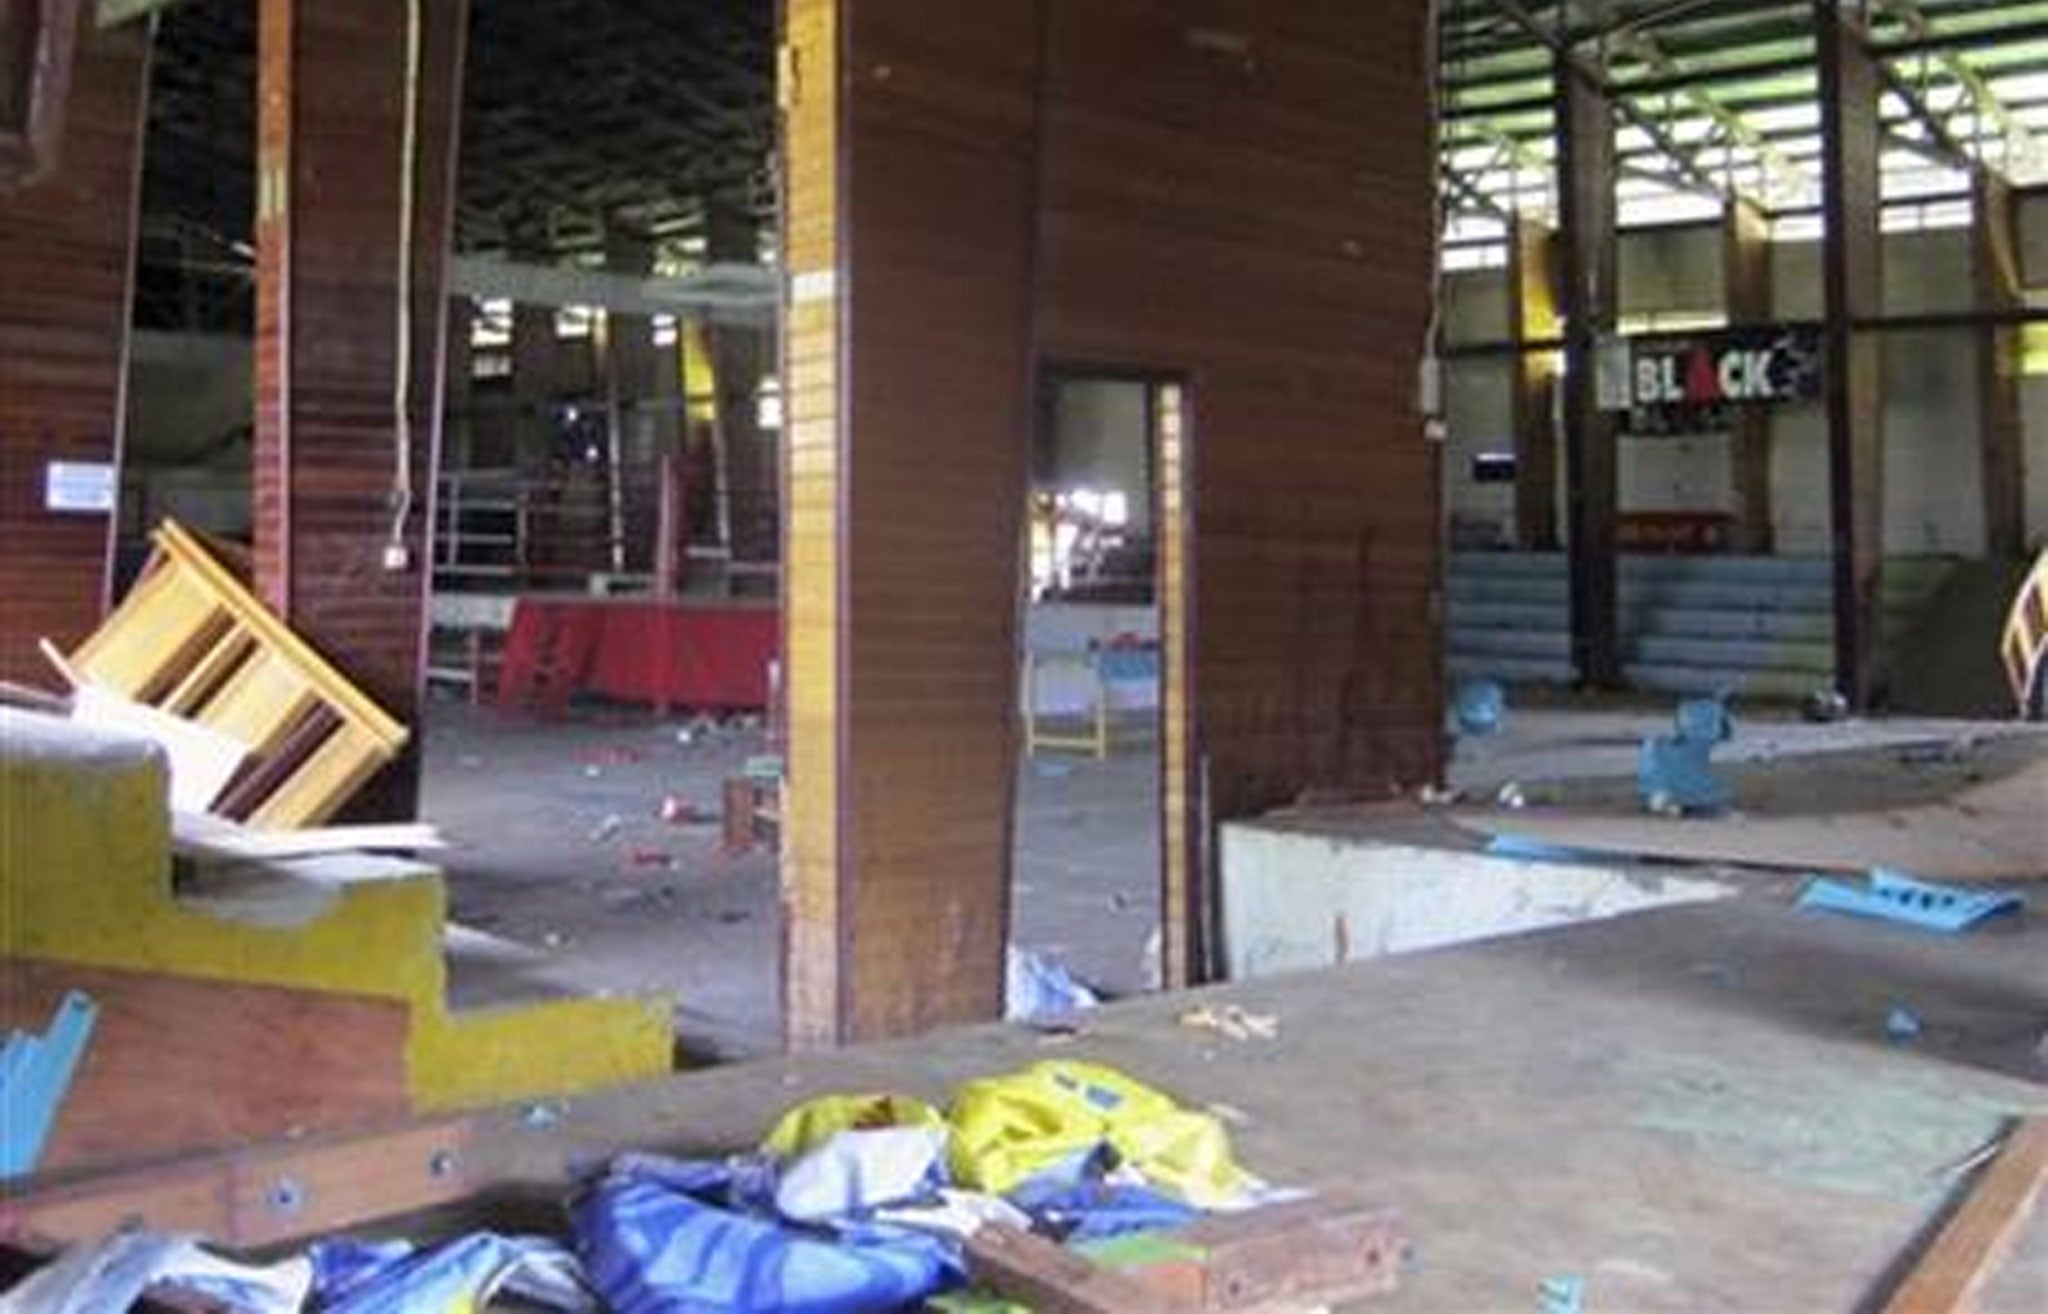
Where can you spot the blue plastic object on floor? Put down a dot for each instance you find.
(1530, 850)
(650, 1248)
(1563, 1295)
(1895, 897)
(1678, 773)
(35, 1075)
(1705, 721)
(1480, 708)
(1903, 1024)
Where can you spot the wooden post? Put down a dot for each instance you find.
(739, 355)
(1853, 274)
(1995, 258)
(67, 255)
(1586, 164)
(347, 426)
(1746, 275)
(1533, 319)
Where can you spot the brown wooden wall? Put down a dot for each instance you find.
(66, 252)
(1233, 193)
(329, 132)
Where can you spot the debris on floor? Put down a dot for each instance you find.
(1233, 1022)
(1895, 897)
(1902, 1024)
(1039, 987)
(1674, 773)
(853, 1203)
(1480, 708)
(1562, 1295)
(35, 1076)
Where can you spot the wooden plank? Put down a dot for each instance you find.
(261, 1196)
(1050, 1279)
(1533, 317)
(1951, 1277)
(178, 1064)
(1332, 1249)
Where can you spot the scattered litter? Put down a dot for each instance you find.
(1825, 707)
(1512, 796)
(556, 940)
(469, 762)
(1233, 1021)
(1895, 897)
(1038, 986)
(1433, 796)
(1480, 707)
(651, 858)
(607, 828)
(1674, 773)
(1230, 1114)
(1903, 1024)
(542, 1114)
(679, 811)
(35, 1076)
(593, 772)
(1048, 769)
(1528, 850)
(1563, 1295)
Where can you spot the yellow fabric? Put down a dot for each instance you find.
(814, 1122)
(1008, 1129)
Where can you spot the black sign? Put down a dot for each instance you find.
(1690, 385)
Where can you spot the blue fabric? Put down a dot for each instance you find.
(394, 1277)
(1097, 1211)
(656, 1238)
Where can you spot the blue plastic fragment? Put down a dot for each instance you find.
(35, 1075)
(1480, 708)
(1705, 721)
(1531, 850)
(1563, 1295)
(1679, 773)
(1896, 897)
(1902, 1024)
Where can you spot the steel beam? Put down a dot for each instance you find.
(1853, 275)
(1590, 308)
(1748, 292)
(1995, 259)
(1532, 318)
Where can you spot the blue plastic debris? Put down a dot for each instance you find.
(1674, 773)
(1563, 1295)
(1896, 897)
(1902, 1024)
(35, 1075)
(1480, 707)
(1531, 850)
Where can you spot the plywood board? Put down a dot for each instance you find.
(1996, 832)
(178, 1064)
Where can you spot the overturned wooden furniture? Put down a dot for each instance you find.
(2024, 649)
(191, 640)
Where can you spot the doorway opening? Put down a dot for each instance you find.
(1100, 656)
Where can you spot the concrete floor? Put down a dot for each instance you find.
(562, 856)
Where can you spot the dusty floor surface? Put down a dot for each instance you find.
(562, 855)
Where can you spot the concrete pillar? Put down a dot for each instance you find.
(739, 358)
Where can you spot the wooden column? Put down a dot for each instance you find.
(1590, 306)
(67, 252)
(1746, 274)
(1533, 319)
(1995, 256)
(1853, 276)
(909, 229)
(329, 483)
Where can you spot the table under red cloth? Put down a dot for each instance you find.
(696, 655)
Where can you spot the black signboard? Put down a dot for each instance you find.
(1692, 385)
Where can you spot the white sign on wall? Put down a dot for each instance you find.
(79, 487)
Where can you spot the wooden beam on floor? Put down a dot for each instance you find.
(1952, 1276)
